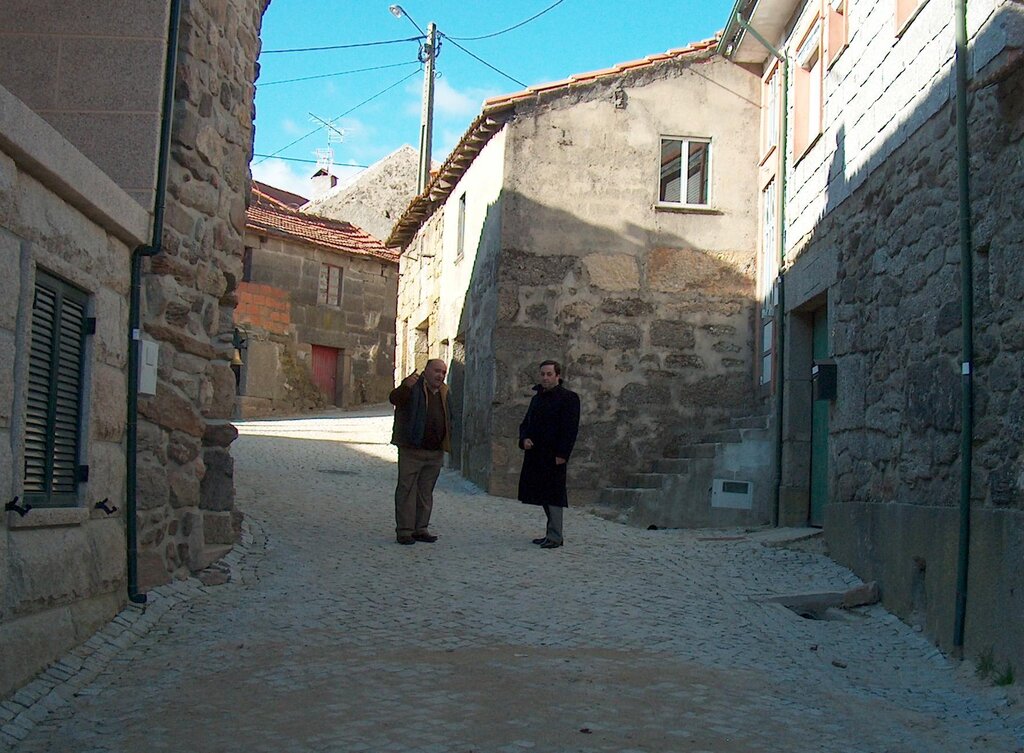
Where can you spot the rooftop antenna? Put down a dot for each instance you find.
(335, 135)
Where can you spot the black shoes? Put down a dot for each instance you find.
(426, 538)
(551, 545)
(541, 540)
(406, 540)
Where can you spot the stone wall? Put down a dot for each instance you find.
(889, 260)
(62, 569)
(649, 309)
(448, 304)
(94, 71)
(278, 310)
(186, 494)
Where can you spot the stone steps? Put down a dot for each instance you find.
(677, 486)
(698, 450)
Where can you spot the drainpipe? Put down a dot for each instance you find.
(780, 331)
(135, 304)
(967, 326)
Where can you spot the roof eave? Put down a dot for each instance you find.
(769, 17)
(490, 120)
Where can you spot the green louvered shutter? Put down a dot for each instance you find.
(53, 411)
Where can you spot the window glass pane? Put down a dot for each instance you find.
(771, 113)
(814, 98)
(671, 159)
(334, 286)
(697, 173)
(321, 292)
(462, 227)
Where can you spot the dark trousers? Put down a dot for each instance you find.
(414, 494)
(554, 529)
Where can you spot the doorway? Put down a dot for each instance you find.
(325, 371)
(820, 350)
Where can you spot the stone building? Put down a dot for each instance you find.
(376, 198)
(107, 492)
(607, 221)
(315, 320)
(912, 489)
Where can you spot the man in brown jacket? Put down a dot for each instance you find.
(422, 433)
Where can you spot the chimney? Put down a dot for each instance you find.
(322, 182)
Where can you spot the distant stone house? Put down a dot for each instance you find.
(315, 321)
(108, 490)
(376, 198)
(608, 221)
(913, 458)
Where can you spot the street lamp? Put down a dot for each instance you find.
(398, 11)
(428, 54)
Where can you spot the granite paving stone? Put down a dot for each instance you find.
(328, 636)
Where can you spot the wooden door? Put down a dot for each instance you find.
(325, 371)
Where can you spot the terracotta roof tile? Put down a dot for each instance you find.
(278, 195)
(268, 215)
(579, 78)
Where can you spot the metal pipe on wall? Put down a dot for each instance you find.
(967, 326)
(135, 297)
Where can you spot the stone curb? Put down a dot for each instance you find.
(72, 673)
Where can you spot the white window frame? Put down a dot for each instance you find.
(685, 149)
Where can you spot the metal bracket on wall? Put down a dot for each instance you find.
(13, 506)
(103, 505)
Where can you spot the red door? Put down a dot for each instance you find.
(325, 371)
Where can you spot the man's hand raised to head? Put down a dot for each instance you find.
(410, 381)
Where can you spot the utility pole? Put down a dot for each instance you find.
(429, 54)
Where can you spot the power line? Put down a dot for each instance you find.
(368, 99)
(308, 161)
(339, 73)
(475, 57)
(341, 46)
(510, 28)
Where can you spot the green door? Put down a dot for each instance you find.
(819, 427)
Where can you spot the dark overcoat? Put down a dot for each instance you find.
(552, 422)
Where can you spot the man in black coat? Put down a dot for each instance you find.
(547, 435)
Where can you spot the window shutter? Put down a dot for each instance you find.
(53, 409)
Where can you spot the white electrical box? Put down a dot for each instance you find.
(737, 495)
(149, 357)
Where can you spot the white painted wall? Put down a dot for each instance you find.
(882, 88)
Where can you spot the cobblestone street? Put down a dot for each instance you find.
(331, 637)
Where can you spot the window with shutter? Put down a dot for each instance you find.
(53, 409)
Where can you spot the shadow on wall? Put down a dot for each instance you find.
(655, 335)
(886, 257)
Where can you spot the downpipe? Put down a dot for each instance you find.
(967, 328)
(135, 304)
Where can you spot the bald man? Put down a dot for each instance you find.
(422, 433)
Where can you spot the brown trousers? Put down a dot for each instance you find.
(414, 495)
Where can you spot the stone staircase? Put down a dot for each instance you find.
(676, 492)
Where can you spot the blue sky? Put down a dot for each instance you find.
(575, 36)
